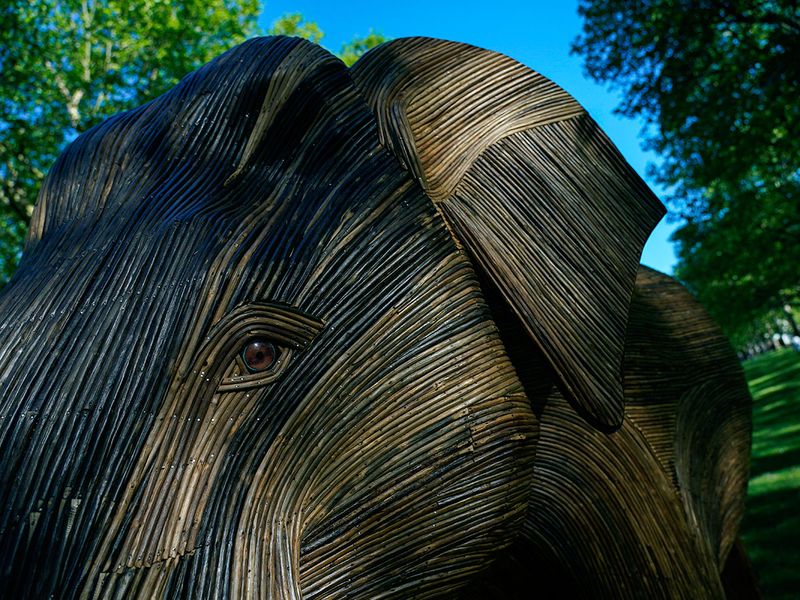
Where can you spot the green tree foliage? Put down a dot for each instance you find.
(351, 51)
(717, 84)
(293, 24)
(66, 65)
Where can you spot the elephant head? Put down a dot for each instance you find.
(292, 330)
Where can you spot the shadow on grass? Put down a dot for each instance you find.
(774, 462)
(771, 527)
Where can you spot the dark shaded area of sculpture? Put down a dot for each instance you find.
(472, 371)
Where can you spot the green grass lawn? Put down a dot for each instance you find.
(771, 528)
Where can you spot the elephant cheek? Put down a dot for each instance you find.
(375, 502)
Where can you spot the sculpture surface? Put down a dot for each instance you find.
(293, 330)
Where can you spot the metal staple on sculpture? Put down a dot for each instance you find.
(472, 388)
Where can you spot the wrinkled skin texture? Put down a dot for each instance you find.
(391, 449)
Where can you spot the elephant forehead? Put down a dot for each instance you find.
(269, 156)
(270, 119)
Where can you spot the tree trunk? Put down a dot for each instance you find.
(787, 309)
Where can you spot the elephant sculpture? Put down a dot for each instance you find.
(293, 330)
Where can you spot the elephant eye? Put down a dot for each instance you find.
(259, 355)
(259, 361)
(253, 344)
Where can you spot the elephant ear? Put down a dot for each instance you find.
(687, 394)
(532, 189)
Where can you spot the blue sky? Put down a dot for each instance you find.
(538, 34)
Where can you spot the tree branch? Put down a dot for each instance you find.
(73, 98)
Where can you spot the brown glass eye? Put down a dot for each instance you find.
(259, 356)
